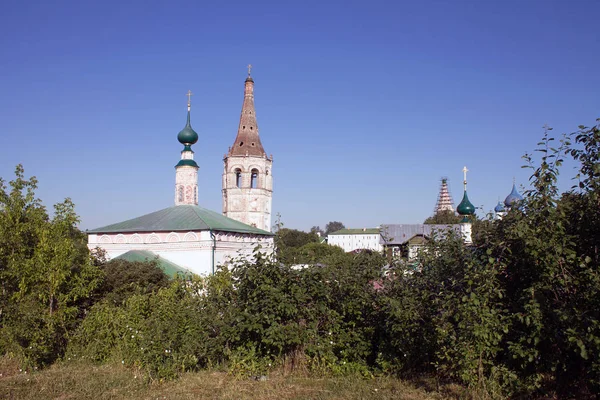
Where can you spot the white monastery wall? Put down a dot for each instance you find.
(356, 241)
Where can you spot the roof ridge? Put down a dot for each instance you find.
(195, 209)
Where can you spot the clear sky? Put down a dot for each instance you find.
(364, 105)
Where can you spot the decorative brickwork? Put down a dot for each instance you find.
(247, 171)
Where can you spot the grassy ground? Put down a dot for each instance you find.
(85, 381)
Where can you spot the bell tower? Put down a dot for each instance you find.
(247, 170)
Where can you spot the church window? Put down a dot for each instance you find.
(250, 128)
(241, 144)
(252, 144)
(180, 194)
(238, 178)
(244, 127)
(254, 180)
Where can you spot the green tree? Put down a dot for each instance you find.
(333, 226)
(443, 218)
(46, 272)
(317, 229)
(288, 241)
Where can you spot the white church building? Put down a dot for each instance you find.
(191, 237)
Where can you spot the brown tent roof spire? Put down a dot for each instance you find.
(247, 141)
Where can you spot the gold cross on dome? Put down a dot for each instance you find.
(249, 69)
(189, 96)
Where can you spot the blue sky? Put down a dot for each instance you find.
(364, 105)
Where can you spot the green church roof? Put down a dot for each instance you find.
(181, 218)
(190, 163)
(169, 268)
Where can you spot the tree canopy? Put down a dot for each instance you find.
(333, 226)
(443, 218)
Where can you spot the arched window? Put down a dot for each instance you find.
(254, 180)
(180, 194)
(238, 177)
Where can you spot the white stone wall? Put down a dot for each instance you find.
(190, 250)
(186, 185)
(465, 230)
(249, 205)
(349, 242)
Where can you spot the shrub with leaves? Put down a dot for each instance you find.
(163, 333)
(46, 273)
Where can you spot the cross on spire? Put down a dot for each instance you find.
(189, 96)
(249, 69)
(465, 170)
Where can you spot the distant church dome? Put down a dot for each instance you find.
(465, 207)
(187, 136)
(513, 198)
(500, 207)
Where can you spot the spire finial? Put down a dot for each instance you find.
(249, 69)
(465, 170)
(189, 96)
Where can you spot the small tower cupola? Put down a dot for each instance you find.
(499, 207)
(188, 136)
(514, 198)
(186, 170)
(466, 209)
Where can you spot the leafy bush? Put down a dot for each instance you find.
(125, 278)
(163, 333)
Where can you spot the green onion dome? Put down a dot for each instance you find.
(465, 207)
(187, 136)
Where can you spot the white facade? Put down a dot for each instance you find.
(201, 252)
(349, 241)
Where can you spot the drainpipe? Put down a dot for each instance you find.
(214, 246)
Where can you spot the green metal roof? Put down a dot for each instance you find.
(190, 163)
(367, 231)
(180, 218)
(168, 267)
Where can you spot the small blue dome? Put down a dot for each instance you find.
(500, 207)
(513, 198)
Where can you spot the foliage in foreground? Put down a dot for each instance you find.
(46, 273)
(517, 314)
